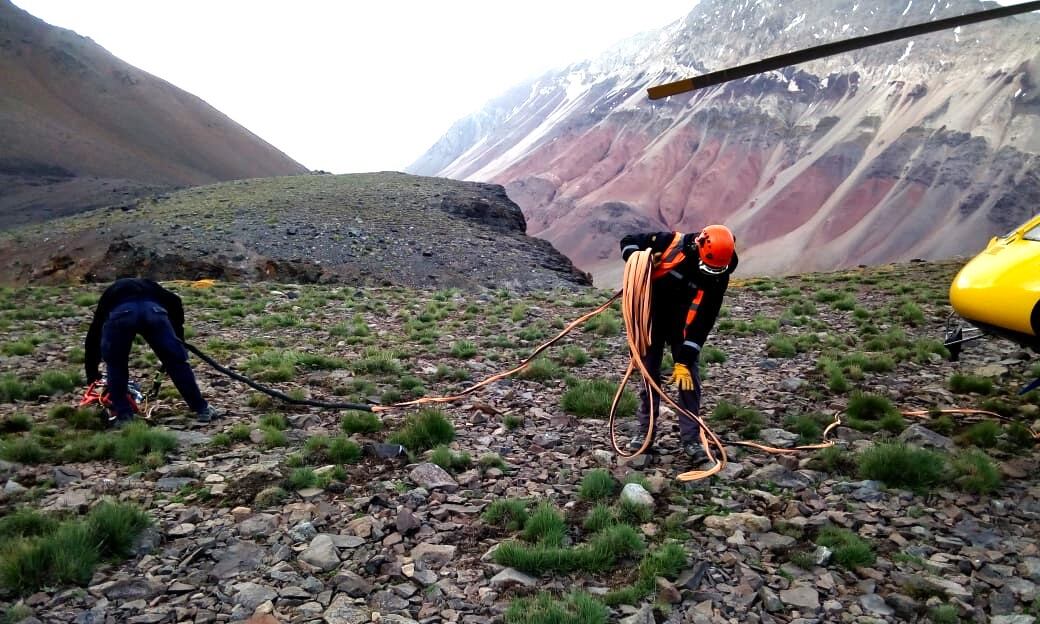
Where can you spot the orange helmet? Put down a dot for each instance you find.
(715, 245)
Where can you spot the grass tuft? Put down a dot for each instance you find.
(900, 465)
(850, 550)
(424, 431)
(597, 485)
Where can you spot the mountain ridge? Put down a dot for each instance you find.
(823, 154)
(115, 131)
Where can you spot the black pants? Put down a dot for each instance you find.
(150, 320)
(690, 400)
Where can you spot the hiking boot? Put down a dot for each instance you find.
(121, 421)
(207, 415)
(694, 452)
(637, 441)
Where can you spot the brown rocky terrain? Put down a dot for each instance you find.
(80, 129)
(923, 148)
(254, 521)
(372, 229)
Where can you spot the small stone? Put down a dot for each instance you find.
(436, 554)
(779, 438)
(172, 484)
(252, 595)
(874, 603)
(13, 487)
(511, 578)
(922, 436)
(303, 531)
(637, 494)
(407, 522)
(181, 530)
(322, 553)
(667, 593)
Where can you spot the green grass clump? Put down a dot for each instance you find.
(18, 347)
(491, 460)
(67, 553)
(966, 384)
(597, 485)
(360, 422)
(592, 398)
(944, 614)
(633, 512)
(809, 427)
(779, 346)
(424, 431)
(872, 412)
(26, 522)
(303, 478)
(342, 450)
(982, 434)
(544, 526)
(239, 432)
(575, 608)
(23, 451)
(378, 361)
(748, 419)
(573, 355)
(15, 423)
(274, 421)
(512, 421)
(606, 323)
(540, 369)
(835, 460)
(600, 553)
(449, 460)
(463, 349)
(850, 550)
(114, 526)
(80, 417)
(975, 472)
(273, 438)
(509, 513)
(137, 440)
(713, 355)
(598, 518)
(665, 561)
(900, 465)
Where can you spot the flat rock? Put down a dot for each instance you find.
(252, 595)
(238, 558)
(922, 436)
(260, 525)
(780, 438)
(432, 477)
(342, 610)
(874, 603)
(741, 520)
(322, 553)
(801, 597)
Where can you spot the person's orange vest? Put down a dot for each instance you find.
(671, 257)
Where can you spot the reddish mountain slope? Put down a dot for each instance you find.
(921, 148)
(81, 128)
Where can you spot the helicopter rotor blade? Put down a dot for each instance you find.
(837, 47)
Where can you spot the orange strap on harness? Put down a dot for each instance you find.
(672, 257)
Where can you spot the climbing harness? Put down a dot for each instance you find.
(97, 394)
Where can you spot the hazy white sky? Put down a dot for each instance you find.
(345, 85)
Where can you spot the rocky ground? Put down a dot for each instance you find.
(254, 520)
(377, 229)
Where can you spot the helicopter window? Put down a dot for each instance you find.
(1033, 234)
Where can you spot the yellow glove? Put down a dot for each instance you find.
(682, 378)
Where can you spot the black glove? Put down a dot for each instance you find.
(689, 355)
(628, 247)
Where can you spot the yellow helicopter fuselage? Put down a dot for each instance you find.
(999, 289)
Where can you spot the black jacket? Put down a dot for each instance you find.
(673, 294)
(120, 292)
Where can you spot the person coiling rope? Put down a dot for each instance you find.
(689, 277)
